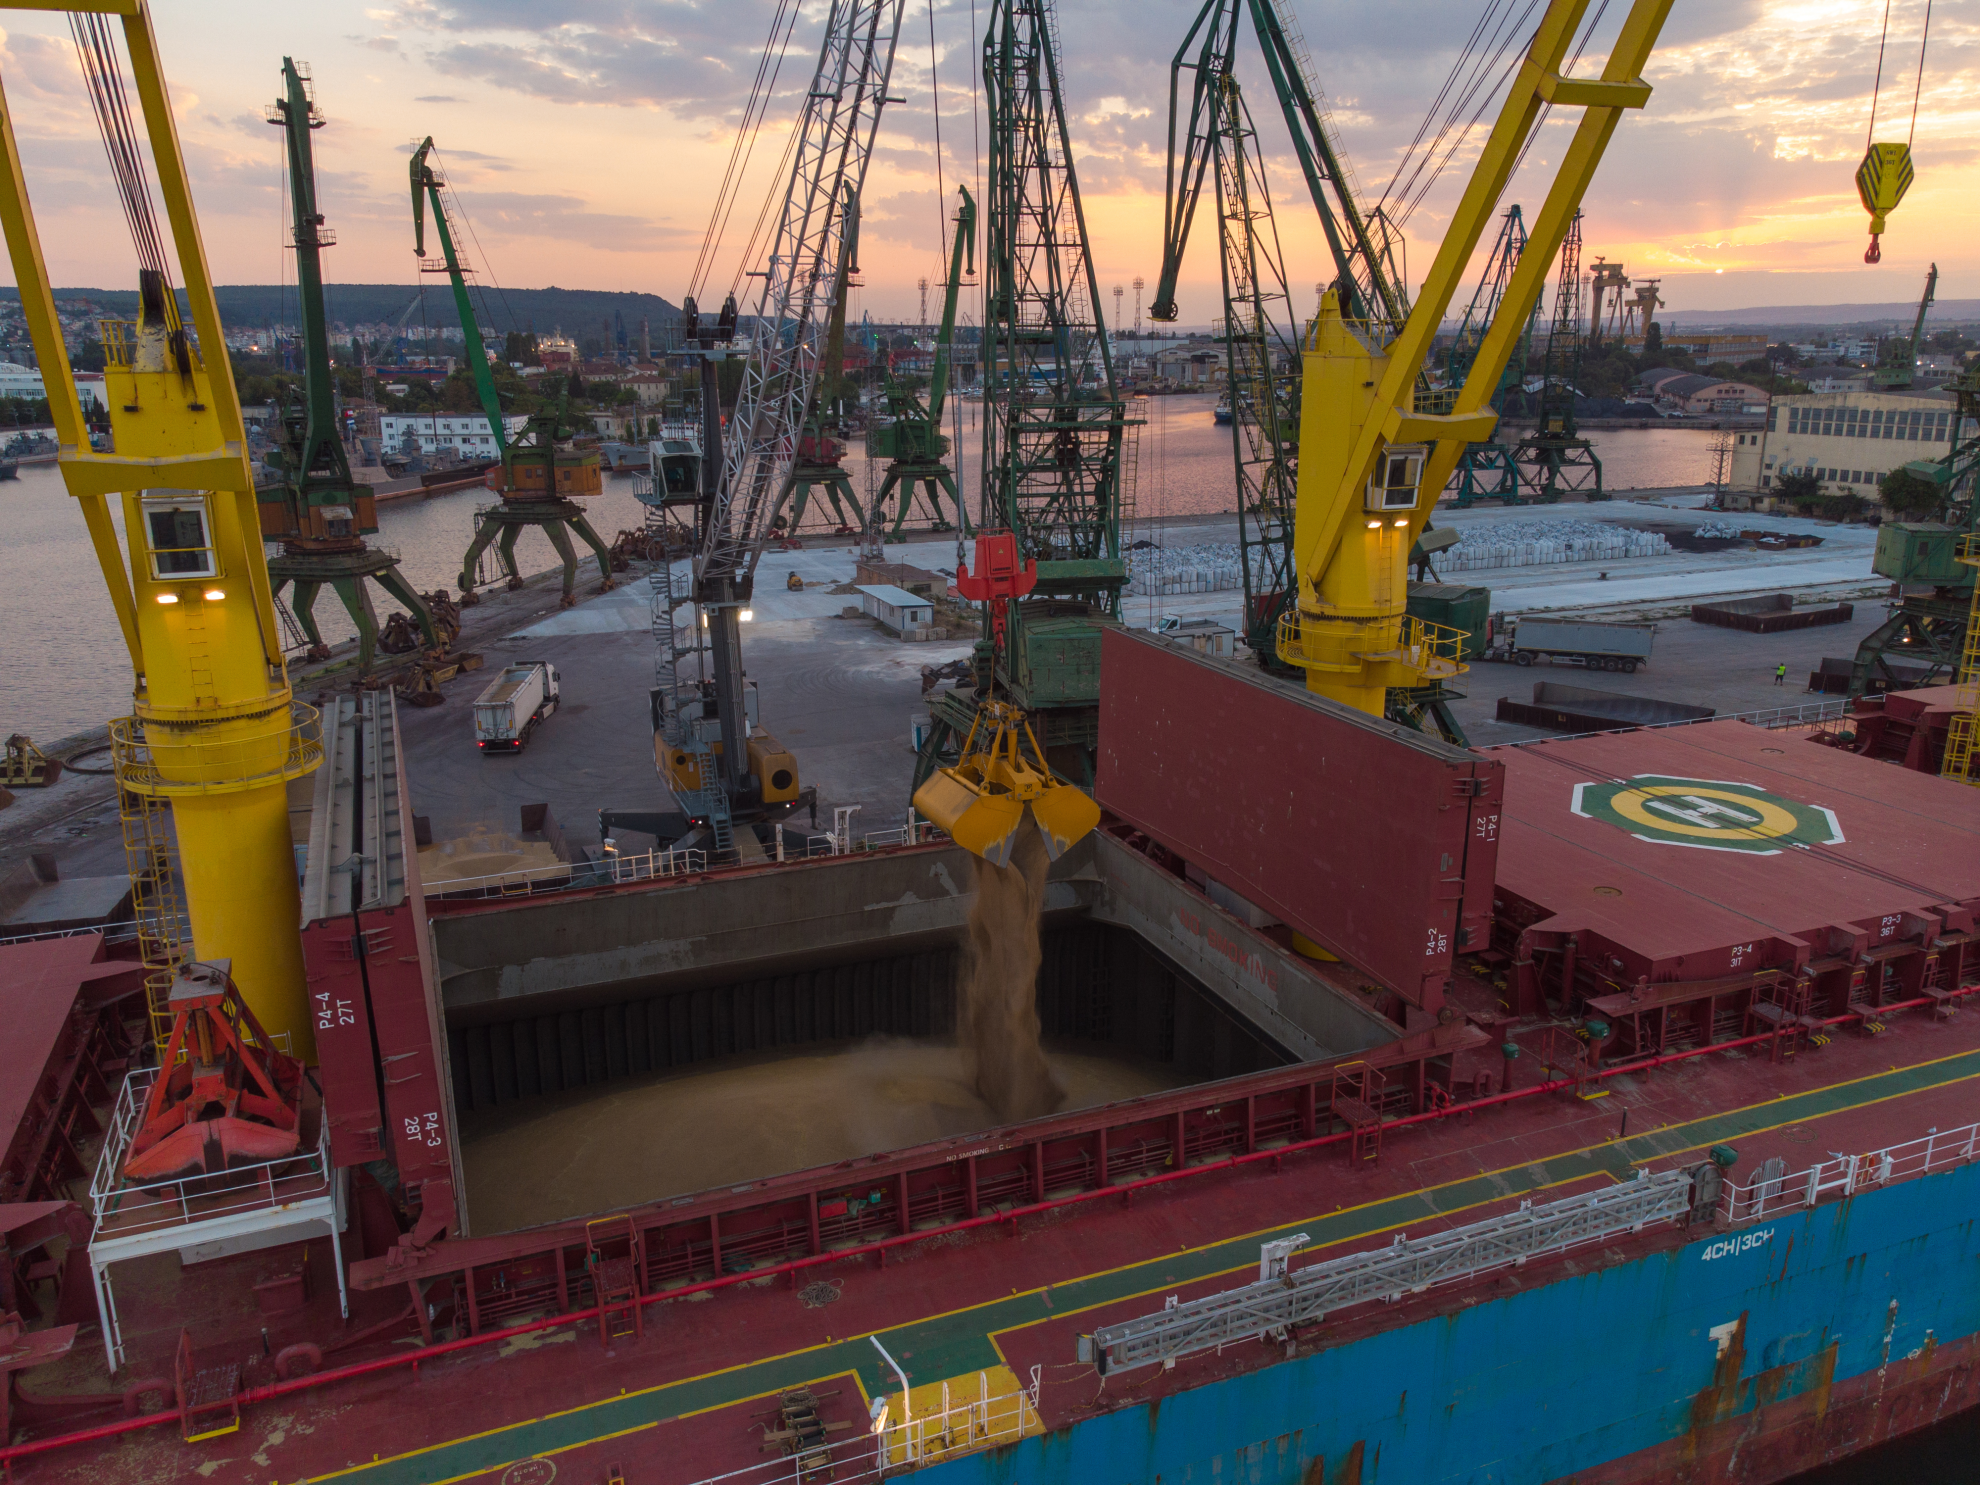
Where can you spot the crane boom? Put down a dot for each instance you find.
(787, 339)
(1357, 241)
(962, 248)
(427, 183)
(835, 141)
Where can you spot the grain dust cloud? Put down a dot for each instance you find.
(997, 1018)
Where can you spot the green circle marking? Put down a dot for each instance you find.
(1707, 814)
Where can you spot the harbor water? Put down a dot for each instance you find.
(68, 670)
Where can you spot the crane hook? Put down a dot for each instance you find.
(1881, 181)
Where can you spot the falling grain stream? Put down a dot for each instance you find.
(998, 1014)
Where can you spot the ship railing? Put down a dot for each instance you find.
(1805, 717)
(656, 865)
(125, 1209)
(946, 1423)
(618, 868)
(960, 1424)
(1775, 1190)
(113, 933)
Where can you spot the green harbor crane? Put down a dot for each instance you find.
(1929, 626)
(820, 460)
(1486, 471)
(1898, 366)
(1054, 424)
(542, 478)
(1554, 458)
(913, 439)
(316, 510)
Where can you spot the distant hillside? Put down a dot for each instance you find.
(1943, 312)
(581, 312)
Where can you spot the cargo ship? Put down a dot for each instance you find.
(1665, 1179)
(1597, 1109)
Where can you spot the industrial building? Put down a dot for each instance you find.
(1850, 440)
(431, 432)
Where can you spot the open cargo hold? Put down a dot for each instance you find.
(1642, 869)
(1584, 709)
(1368, 838)
(1773, 613)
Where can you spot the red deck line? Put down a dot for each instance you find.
(270, 1391)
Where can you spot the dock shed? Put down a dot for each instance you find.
(896, 608)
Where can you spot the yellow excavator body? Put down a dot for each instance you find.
(1001, 774)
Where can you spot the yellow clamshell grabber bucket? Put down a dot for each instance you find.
(981, 802)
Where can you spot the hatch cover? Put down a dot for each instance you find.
(1707, 814)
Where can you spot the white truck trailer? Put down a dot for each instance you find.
(1585, 642)
(515, 701)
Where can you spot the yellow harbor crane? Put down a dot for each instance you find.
(215, 736)
(1375, 446)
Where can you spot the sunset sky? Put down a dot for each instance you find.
(585, 139)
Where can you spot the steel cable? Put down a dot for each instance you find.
(97, 52)
(744, 147)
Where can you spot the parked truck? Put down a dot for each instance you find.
(507, 712)
(1585, 642)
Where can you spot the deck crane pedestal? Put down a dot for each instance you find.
(216, 737)
(1054, 423)
(542, 479)
(723, 769)
(913, 440)
(1554, 458)
(317, 511)
(1371, 456)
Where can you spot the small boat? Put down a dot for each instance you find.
(1223, 412)
(10, 469)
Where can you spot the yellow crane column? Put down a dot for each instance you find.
(1371, 461)
(214, 730)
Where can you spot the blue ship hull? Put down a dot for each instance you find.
(1643, 1369)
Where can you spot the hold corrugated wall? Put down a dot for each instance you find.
(1096, 983)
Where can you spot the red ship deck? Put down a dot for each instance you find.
(683, 1402)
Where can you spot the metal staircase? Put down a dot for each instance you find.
(1964, 732)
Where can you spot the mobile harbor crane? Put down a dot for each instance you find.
(542, 478)
(1899, 358)
(318, 512)
(722, 768)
